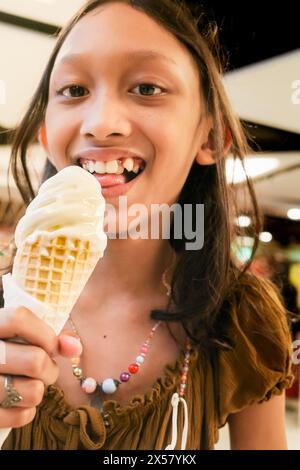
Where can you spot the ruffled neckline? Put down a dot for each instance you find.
(55, 402)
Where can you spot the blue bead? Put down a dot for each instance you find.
(109, 386)
(139, 360)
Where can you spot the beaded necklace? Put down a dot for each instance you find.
(110, 385)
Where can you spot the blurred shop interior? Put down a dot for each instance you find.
(263, 56)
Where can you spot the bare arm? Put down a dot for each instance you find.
(260, 426)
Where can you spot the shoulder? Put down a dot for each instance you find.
(257, 310)
(259, 363)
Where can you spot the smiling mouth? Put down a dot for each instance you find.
(116, 171)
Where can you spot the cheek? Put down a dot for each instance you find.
(173, 159)
(59, 133)
(172, 133)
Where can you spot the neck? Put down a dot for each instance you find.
(131, 269)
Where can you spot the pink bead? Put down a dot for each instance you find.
(89, 385)
(144, 349)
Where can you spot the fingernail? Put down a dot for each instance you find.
(72, 341)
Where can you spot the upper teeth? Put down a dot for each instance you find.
(128, 164)
(113, 166)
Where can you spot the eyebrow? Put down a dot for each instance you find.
(141, 55)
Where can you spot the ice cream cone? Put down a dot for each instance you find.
(55, 271)
(60, 239)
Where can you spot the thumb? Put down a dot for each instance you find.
(69, 345)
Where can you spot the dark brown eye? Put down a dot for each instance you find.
(148, 89)
(75, 91)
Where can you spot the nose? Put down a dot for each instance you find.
(104, 116)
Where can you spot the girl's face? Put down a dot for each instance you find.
(123, 82)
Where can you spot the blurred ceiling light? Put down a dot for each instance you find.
(244, 241)
(294, 213)
(254, 166)
(243, 221)
(242, 248)
(265, 237)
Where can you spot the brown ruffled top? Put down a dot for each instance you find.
(219, 384)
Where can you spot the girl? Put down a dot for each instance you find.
(138, 81)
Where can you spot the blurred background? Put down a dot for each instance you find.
(261, 43)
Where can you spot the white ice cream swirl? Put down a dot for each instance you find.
(69, 203)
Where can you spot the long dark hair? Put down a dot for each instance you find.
(203, 279)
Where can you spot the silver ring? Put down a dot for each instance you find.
(12, 396)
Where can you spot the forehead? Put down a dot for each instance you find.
(120, 31)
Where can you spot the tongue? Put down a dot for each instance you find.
(110, 180)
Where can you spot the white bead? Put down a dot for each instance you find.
(89, 385)
(108, 386)
(139, 360)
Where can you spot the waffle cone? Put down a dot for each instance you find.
(55, 271)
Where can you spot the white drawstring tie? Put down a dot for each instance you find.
(175, 403)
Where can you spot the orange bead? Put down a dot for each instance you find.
(75, 360)
(133, 368)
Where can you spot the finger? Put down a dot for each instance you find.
(69, 345)
(31, 390)
(16, 417)
(30, 361)
(22, 323)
